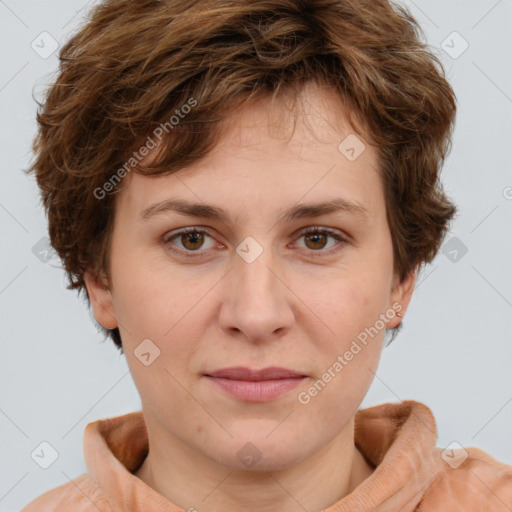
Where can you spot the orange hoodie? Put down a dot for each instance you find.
(411, 473)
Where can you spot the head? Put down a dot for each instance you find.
(249, 126)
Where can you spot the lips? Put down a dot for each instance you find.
(240, 373)
(255, 385)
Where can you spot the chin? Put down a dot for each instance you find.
(260, 453)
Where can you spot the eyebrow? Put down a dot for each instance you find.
(301, 211)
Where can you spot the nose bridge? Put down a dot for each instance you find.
(256, 280)
(257, 305)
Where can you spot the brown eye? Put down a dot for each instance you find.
(323, 241)
(316, 240)
(192, 241)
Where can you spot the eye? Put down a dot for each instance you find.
(192, 240)
(317, 240)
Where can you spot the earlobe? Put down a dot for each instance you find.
(401, 296)
(101, 301)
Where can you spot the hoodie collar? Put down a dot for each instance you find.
(398, 438)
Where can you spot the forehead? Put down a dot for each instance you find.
(269, 149)
(291, 124)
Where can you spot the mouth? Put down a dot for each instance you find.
(255, 385)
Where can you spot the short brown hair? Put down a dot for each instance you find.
(134, 65)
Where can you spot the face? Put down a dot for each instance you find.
(260, 279)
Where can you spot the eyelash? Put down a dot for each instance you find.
(314, 230)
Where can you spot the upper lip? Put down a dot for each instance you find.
(241, 373)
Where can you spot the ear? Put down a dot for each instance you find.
(400, 297)
(101, 300)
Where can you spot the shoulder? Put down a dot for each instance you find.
(80, 495)
(480, 482)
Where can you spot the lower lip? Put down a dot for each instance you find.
(256, 391)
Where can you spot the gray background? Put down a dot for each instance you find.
(454, 353)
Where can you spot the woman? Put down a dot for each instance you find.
(246, 191)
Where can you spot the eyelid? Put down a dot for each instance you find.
(322, 229)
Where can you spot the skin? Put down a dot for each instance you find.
(296, 306)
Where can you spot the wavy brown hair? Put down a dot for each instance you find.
(134, 64)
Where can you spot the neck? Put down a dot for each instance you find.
(191, 480)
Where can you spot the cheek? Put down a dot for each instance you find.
(329, 402)
(149, 307)
(143, 309)
(349, 358)
(166, 307)
(148, 298)
(347, 303)
(349, 350)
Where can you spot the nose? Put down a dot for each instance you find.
(257, 302)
